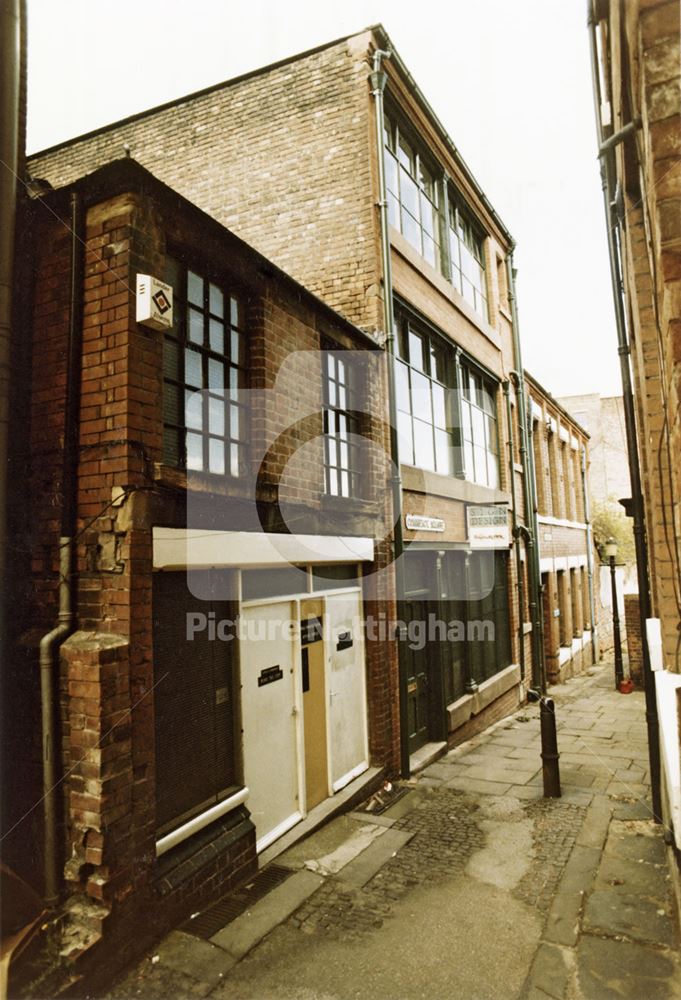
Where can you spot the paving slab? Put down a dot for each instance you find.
(549, 974)
(369, 862)
(195, 957)
(477, 785)
(242, 934)
(640, 919)
(612, 970)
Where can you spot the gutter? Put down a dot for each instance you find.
(378, 80)
(530, 526)
(617, 279)
(51, 642)
(515, 532)
(589, 557)
(9, 154)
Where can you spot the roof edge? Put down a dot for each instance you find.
(552, 399)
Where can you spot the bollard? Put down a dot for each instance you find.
(549, 749)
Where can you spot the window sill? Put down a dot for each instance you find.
(199, 482)
(435, 484)
(358, 505)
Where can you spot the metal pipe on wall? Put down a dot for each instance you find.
(378, 81)
(589, 557)
(10, 70)
(51, 642)
(515, 532)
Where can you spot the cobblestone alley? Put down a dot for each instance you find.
(469, 886)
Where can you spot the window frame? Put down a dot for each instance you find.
(200, 337)
(423, 173)
(465, 234)
(342, 478)
(474, 381)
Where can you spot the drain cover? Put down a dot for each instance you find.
(383, 800)
(208, 922)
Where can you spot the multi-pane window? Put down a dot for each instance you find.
(478, 428)
(341, 427)
(203, 368)
(422, 380)
(413, 204)
(467, 258)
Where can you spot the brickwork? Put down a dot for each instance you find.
(634, 647)
(317, 112)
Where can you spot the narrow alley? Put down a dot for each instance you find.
(470, 885)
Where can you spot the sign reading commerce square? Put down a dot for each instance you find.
(487, 527)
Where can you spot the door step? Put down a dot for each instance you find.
(425, 755)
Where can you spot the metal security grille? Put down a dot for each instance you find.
(193, 704)
(210, 921)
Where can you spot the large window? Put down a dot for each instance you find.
(467, 258)
(203, 375)
(341, 427)
(413, 204)
(423, 374)
(479, 428)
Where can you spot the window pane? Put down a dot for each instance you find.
(195, 331)
(195, 288)
(236, 313)
(393, 210)
(235, 421)
(217, 336)
(193, 410)
(480, 465)
(439, 414)
(405, 154)
(443, 452)
(409, 194)
(468, 291)
(216, 415)
(478, 426)
(234, 456)
(345, 484)
(411, 230)
(438, 363)
(194, 452)
(416, 356)
(216, 301)
(430, 250)
(423, 445)
(466, 425)
(216, 456)
(492, 471)
(216, 374)
(402, 386)
(237, 348)
(406, 444)
(391, 173)
(469, 465)
(420, 397)
(192, 368)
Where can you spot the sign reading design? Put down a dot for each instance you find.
(417, 522)
(487, 527)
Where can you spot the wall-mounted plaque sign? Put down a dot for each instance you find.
(487, 527)
(269, 675)
(417, 522)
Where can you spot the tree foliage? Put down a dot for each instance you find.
(608, 520)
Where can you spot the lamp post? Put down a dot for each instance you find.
(610, 551)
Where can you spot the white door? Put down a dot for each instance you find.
(269, 719)
(347, 687)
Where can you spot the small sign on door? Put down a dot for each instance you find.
(269, 675)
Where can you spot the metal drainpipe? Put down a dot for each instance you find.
(9, 154)
(516, 533)
(589, 556)
(50, 643)
(535, 528)
(378, 81)
(617, 281)
(534, 576)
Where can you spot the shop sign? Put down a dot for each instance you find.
(417, 522)
(487, 527)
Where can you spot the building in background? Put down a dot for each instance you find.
(560, 451)
(636, 77)
(609, 483)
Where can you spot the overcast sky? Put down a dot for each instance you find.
(509, 79)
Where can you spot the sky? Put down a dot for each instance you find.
(509, 79)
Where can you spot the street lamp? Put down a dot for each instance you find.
(610, 551)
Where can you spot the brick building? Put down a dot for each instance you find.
(636, 77)
(308, 138)
(561, 469)
(204, 493)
